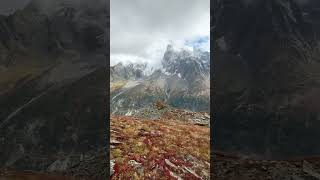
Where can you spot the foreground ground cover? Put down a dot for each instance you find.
(158, 149)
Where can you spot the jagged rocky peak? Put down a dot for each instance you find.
(51, 26)
(50, 7)
(185, 63)
(122, 71)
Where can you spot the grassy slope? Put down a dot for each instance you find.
(161, 149)
(115, 86)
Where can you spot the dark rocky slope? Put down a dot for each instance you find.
(234, 167)
(266, 73)
(53, 93)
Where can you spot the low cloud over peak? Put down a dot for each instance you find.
(141, 30)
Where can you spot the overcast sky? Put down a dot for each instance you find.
(142, 29)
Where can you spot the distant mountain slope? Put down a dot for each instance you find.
(121, 72)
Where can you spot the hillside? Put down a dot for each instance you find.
(161, 149)
(234, 167)
(48, 51)
(266, 83)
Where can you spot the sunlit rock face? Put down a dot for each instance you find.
(266, 56)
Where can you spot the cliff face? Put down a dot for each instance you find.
(266, 70)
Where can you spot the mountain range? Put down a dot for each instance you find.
(182, 82)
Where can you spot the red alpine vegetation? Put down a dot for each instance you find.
(160, 149)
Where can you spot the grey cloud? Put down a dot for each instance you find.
(141, 27)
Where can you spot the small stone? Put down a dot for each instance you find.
(115, 142)
(137, 166)
(264, 168)
(175, 175)
(112, 163)
(192, 172)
